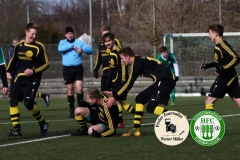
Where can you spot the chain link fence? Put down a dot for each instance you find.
(55, 58)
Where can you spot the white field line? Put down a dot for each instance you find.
(66, 135)
(35, 140)
(60, 120)
(189, 119)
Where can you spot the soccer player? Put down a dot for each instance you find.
(225, 61)
(117, 76)
(3, 73)
(104, 120)
(32, 58)
(71, 50)
(14, 72)
(156, 96)
(102, 59)
(170, 61)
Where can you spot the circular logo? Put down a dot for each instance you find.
(29, 54)
(171, 128)
(207, 128)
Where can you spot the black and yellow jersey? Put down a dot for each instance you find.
(147, 67)
(28, 56)
(106, 114)
(118, 72)
(225, 60)
(102, 57)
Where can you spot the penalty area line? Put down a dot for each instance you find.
(35, 140)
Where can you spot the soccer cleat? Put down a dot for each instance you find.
(15, 132)
(80, 132)
(47, 99)
(71, 115)
(43, 128)
(172, 104)
(121, 125)
(133, 132)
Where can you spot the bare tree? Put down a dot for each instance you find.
(130, 20)
(73, 13)
(13, 19)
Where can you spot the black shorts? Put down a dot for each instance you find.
(72, 74)
(219, 88)
(157, 93)
(104, 83)
(94, 118)
(24, 92)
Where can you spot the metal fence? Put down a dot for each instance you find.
(55, 69)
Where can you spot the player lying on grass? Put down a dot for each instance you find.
(104, 120)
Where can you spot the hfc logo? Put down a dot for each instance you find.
(207, 128)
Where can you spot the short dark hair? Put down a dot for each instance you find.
(15, 39)
(218, 28)
(110, 35)
(127, 51)
(163, 49)
(93, 93)
(105, 28)
(69, 29)
(32, 26)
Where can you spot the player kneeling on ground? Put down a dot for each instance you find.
(104, 119)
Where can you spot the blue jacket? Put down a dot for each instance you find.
(70, 57)
(10, 53)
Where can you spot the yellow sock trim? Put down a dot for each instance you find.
(128, 107)
(120, 109)
(137, 121)
(81, 122)
(34, 110)
(14, 111)
(79, 118)
(139, 107)
(209, 106)
(38, 95)
(158, 110)
(138, 114)
(36, 113)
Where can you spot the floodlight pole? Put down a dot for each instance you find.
(90, 31)
(101, 13)
(154, 29)
(28, 17)
(220, 12)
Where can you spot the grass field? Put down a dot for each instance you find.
(59, 145)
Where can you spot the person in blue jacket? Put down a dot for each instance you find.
(71, 50)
